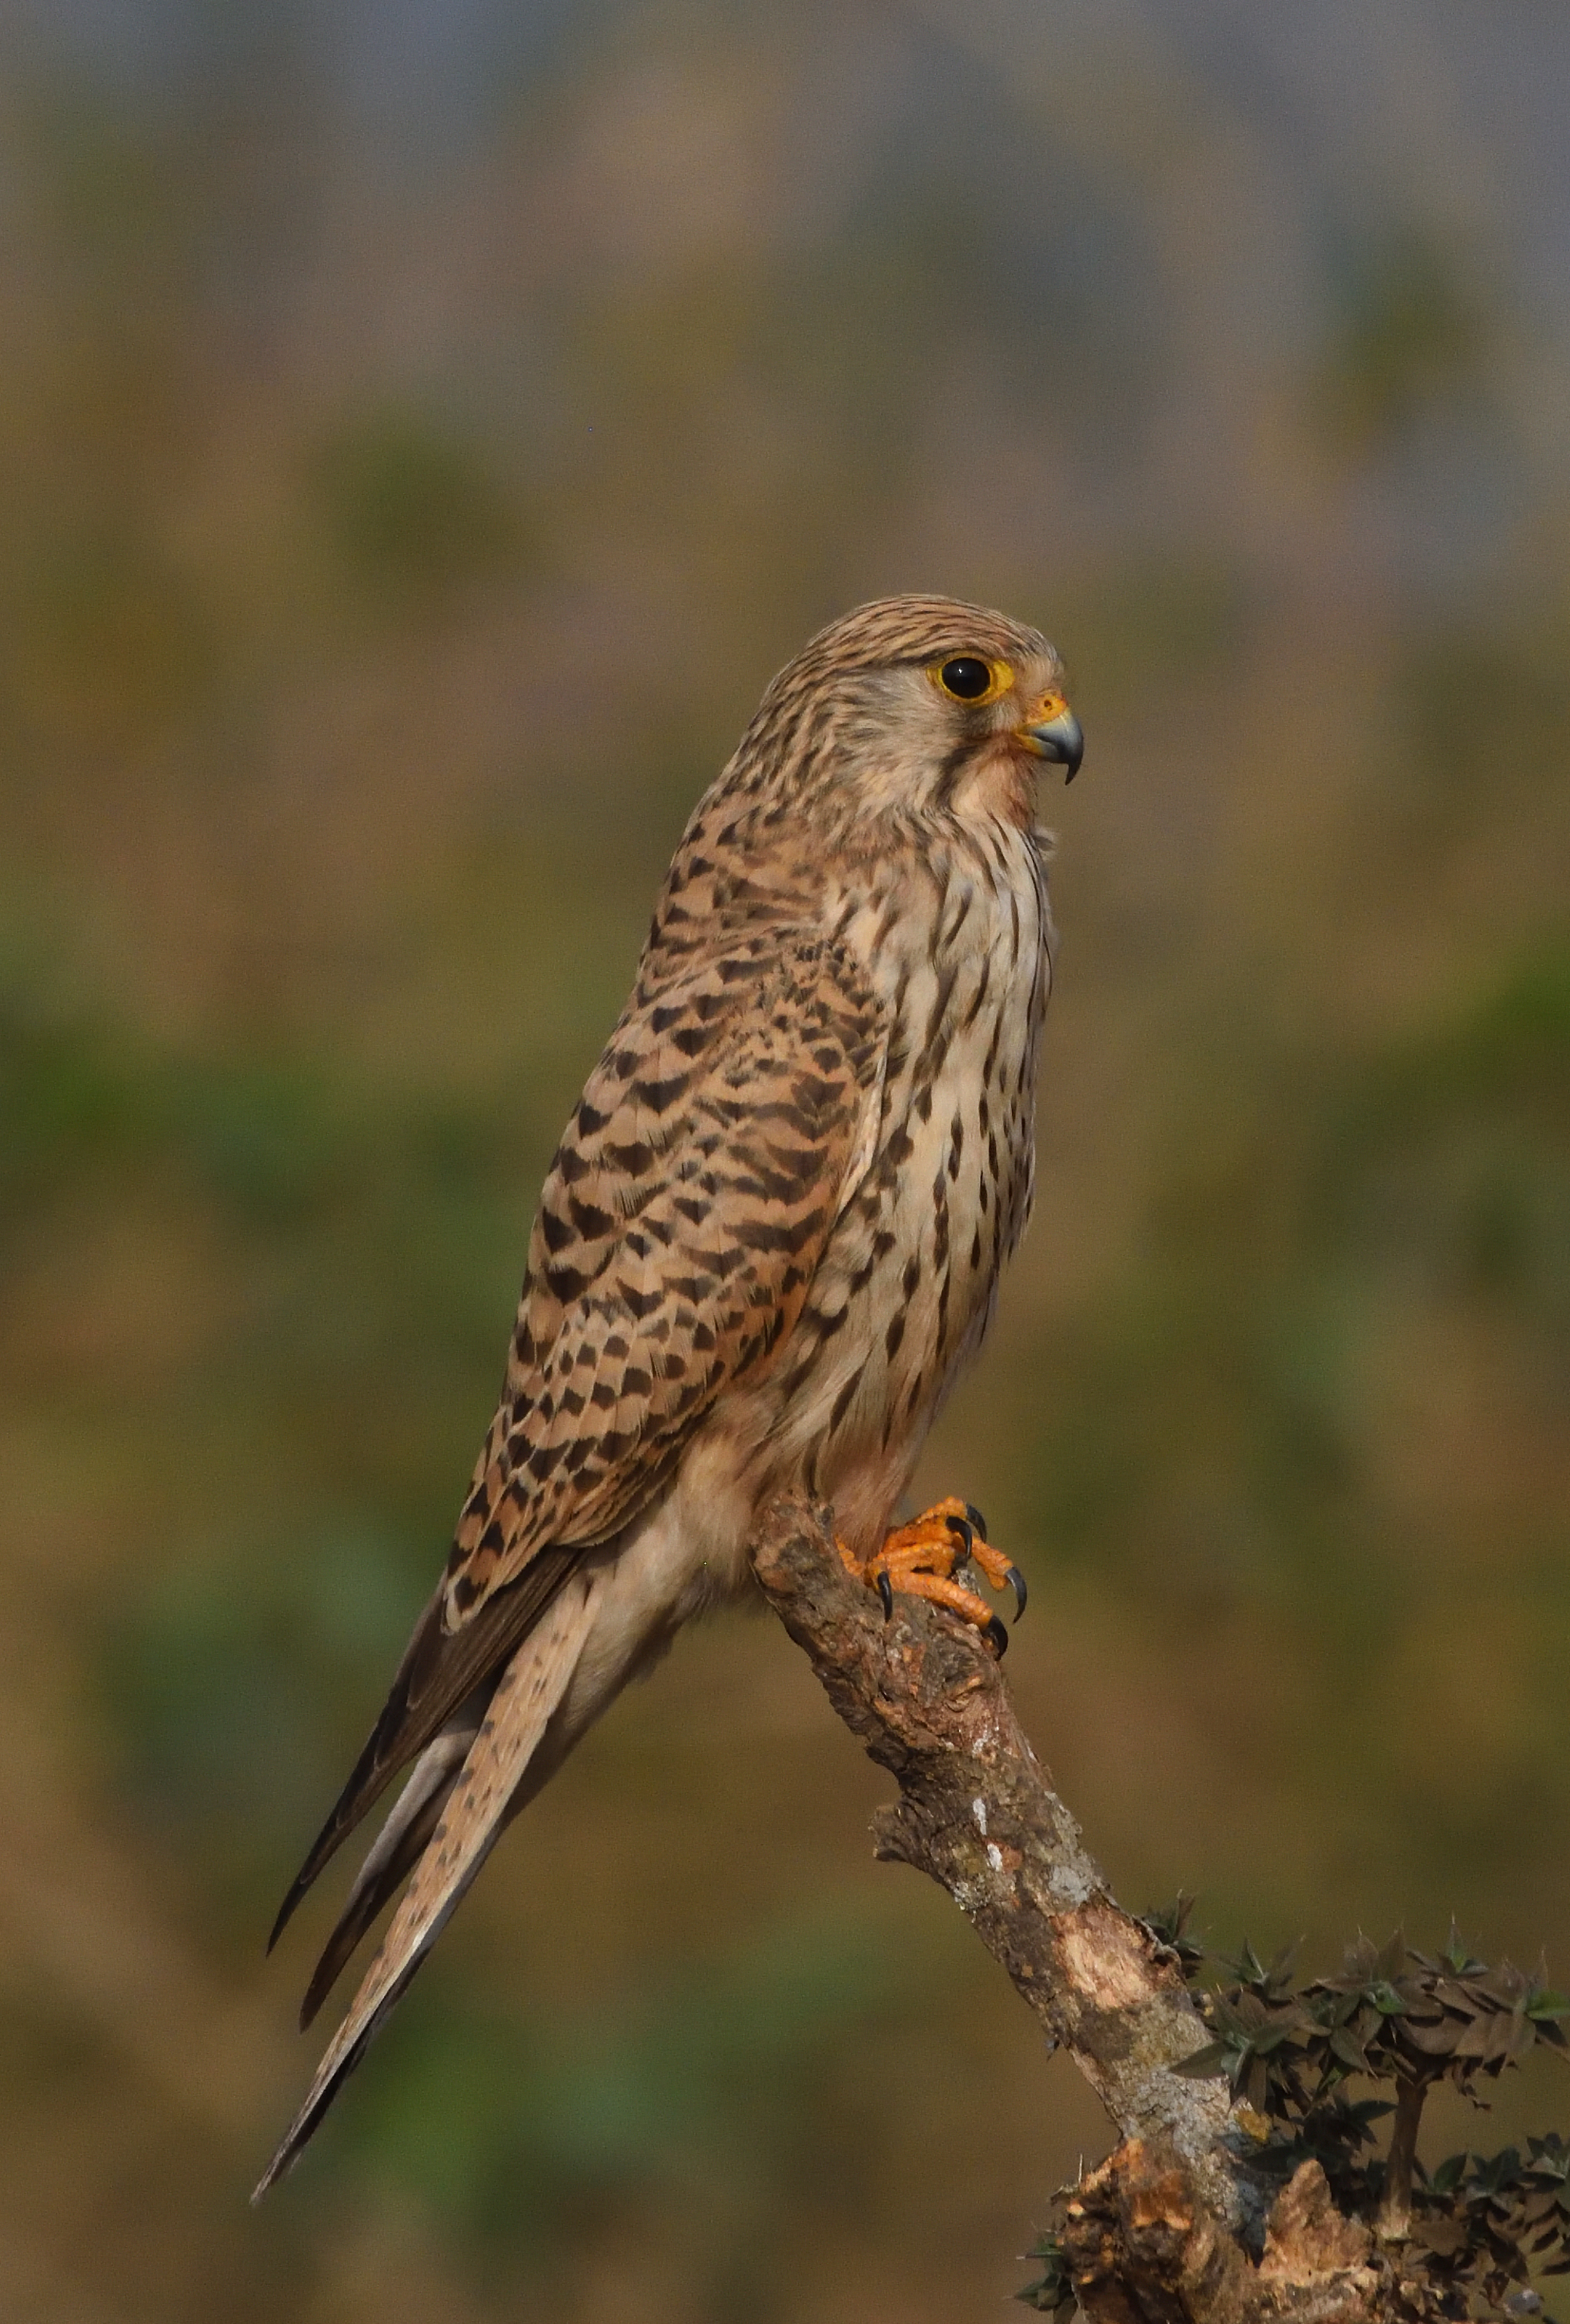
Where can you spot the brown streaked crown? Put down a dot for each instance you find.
(888, 631)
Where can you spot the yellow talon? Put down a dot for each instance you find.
(920, 1559)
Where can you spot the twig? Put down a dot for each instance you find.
(1395, 2213)
(1155, 2232)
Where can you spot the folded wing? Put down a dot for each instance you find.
(728, 1123)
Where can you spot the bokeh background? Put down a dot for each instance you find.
(424, 426)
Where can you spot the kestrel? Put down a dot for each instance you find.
(771, 1234)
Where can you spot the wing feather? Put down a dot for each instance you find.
(727, 1124)
(677, 1237)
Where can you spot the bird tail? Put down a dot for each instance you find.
(399, 1846)
(474, 1811)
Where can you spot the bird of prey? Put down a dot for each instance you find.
(771, 1236)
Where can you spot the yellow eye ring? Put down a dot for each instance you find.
(971, 679)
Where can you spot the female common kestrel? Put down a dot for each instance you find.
(770, 1235)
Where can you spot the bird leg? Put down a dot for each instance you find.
(923, 1558)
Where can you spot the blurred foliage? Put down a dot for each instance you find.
(1154, 633)
(221, 1678)
(1410, 339)
(724, 2088)
(108, 642)
(412, 506)
(1430, 1176)
(416, 450)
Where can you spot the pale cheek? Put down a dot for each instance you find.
(999, 782)
(884, 781)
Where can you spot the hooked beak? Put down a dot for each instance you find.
(1053, 731)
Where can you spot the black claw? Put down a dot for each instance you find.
(886, 1592)
(998, 1637)
(978, 1522)
(1016, 1581)
(963, 1532)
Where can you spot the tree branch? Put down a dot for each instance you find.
(1395, 2216)
(1159, 2232)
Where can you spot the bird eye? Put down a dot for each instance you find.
(968, 678)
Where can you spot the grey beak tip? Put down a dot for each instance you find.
(1062, 741)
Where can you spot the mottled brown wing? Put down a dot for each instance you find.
(679, 1230)
(728, 1123)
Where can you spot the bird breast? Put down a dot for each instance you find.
(958, 944)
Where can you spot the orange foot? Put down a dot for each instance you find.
(923, 1558)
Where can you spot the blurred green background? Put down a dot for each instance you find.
(423, 428)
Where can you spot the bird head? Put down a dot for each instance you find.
(916, 704)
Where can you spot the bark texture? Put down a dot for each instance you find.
(1173, 2225)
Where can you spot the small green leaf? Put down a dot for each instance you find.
(1457, 1959)
(1344, 2047)
(1215, 2058)
(1392, 1959)
(1054, 2287)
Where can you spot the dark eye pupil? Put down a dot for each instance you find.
(965, 676)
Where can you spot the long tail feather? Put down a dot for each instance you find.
(398, 1848)
(437, 1673)
(527, 1693)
